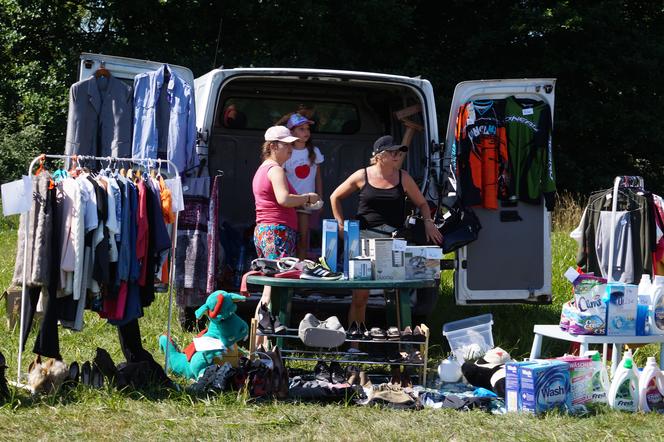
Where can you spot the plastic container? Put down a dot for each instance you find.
(599, 383)
(449, 370)
(657, 310)
(624, 391)
(642, 308)
(470, 338)
(621, 366)
(651, 387)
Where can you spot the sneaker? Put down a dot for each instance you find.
(317, 271)
(337, 373)
(322, 372)
(265, 322)
(277, 326)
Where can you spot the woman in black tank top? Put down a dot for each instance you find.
(383, 187)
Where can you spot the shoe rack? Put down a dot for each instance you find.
(345, 357)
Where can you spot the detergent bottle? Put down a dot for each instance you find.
(624, 391)
(644, 293)
(621, 366)
(651, 387)
(657, 307)
(599, 383)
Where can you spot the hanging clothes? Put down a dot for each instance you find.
(213, 239)
(164, 118)
(635, 235)
(191, 259)
(99, 121)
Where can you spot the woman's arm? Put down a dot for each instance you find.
(345, 189)
(277, 177)
(413, 192)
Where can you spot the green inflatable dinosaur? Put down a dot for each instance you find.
(225, 325)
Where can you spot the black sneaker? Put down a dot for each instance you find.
(354, 331)
(316, 271)
(337, 373)
(322, 372)
(265, 321)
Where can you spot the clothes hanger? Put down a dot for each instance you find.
(102, 71)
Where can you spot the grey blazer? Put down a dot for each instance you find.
(100, 118)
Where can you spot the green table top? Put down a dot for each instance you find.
(340, 284)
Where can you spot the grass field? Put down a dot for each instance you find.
(85, 414)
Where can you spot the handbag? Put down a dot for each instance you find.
(459, 225)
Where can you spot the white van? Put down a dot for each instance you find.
(510, 262)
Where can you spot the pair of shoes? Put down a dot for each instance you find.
(314, 271)
(329, 373)
(414, 335)
(377, 333)
(393, 334)
(268, 324)
(358, 331)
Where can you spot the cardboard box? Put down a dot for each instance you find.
(360, 269)
(544, 386)
(387, 257)
(580, 374)
(423, 262)
(512, 390)
(330, 242)
(621, 309)
(351, 243)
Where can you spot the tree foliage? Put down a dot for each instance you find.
(606, 55)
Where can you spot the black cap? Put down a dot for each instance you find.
(386, 142)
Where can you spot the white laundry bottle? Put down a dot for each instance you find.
(644, 292)
(599, 384)
(624, 391)
(621, 366)
(657, 307)
(651, 387)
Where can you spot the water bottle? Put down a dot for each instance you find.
(239, 271)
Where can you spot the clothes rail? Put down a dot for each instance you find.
(147, 162)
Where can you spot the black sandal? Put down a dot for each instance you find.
(393, 334)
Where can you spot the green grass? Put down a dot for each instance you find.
(109, 414)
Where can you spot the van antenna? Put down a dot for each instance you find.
(216, 49)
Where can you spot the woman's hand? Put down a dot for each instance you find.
(433, 235)
(312, 198)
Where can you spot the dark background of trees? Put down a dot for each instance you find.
(606, 55)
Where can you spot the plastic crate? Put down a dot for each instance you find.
(470, 338)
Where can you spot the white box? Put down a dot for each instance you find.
(330, 242)
(622, 300)
(423, 262)
(387, 258)
(359, 269)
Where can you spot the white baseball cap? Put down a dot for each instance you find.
(279, 133)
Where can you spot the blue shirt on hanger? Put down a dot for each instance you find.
(164, 124)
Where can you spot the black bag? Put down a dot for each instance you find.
(459, 227)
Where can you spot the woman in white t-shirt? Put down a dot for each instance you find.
(303, 171)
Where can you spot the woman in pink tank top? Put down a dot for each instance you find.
(275, 235)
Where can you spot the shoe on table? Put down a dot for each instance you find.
(318, 272)
(354, 331)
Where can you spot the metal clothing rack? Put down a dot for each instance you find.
(618, 182)
(148, 162)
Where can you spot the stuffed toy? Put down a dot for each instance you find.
(488, 371)
(46, 377)
(225, 325)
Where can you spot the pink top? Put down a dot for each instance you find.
(268, 210)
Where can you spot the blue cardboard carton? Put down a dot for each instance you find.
(351, 242)
(512, 389)
(330, 242)
(544, 386)
(621, 309)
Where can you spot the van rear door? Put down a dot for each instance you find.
(126, 68)
(510, 262)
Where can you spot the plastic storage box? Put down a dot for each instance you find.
(470, 338)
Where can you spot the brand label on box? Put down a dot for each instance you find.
(387, 262)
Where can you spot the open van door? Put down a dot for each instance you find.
(510, 262)
(126, 68)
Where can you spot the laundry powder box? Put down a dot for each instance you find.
(544, 386)
(330, 242)
(360, 269)
(512, 390)
(387, 258)
(423, 262)
(580, 374)
(351, 243)
(622, 301)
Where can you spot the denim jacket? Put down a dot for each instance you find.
(181, 112)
